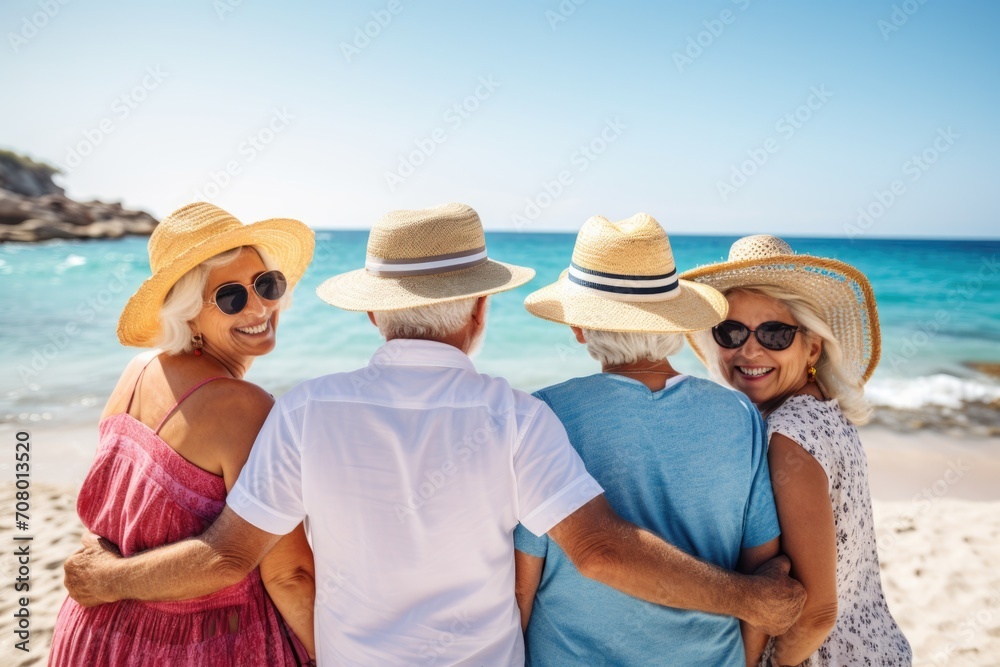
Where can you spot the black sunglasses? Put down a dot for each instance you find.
(772, 335)
(232, 298)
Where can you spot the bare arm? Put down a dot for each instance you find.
(221, 556)
(755, 640)
(289, 576)
(808, 537)
(527, 574)
(606, 548)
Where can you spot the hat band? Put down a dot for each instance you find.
(625, 287)
(425, 266)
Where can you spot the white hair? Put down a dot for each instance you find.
(614, 348)
(435, 321)
(187, 297)
(830, 375)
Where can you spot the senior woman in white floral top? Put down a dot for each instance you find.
(800, 340)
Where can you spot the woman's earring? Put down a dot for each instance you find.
(197, 342)
(811, 372)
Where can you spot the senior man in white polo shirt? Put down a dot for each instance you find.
(412, 473)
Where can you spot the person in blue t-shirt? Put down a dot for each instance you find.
(680, 456)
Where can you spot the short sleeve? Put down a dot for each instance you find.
(268, 492)
(761, 523)
(533, 545)
(552, 481)
(798, 422)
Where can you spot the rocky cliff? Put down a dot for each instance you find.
(34, 208)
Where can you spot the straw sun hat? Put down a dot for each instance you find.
(623, 278)
(197, 232)
(422, 257)
(842, 294)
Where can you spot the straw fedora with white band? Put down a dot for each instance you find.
(840, 292)
(623, 278)
(197, 232)
(422, 257)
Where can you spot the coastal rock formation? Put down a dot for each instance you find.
(33, 208)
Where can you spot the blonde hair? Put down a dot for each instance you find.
(614, 348)
(187, 297)
(435, 321)
(830, 375)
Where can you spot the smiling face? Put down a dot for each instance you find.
(763, 374)
(248, 333)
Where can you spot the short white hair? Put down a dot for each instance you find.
(830, 375)
(614, 348)
(187, 297)
(435, 321)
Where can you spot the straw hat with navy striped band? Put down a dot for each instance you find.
(422, 257)
(623, 278)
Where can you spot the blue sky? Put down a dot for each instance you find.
(730, 117)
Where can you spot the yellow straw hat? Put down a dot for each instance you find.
(197, 232)
(422, 257)
(842, 294)
(623, 278)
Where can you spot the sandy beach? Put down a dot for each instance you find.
(937, 517)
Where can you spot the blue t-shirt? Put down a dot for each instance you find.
(687, 463)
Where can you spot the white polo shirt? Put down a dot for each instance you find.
(413, 473)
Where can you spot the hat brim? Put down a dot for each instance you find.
(289, 243)
(360, 291)
(694, 308)
(841, 293)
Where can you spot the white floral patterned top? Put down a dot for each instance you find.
(866, 633)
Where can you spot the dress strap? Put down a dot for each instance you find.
(186, 394)
(135, 387)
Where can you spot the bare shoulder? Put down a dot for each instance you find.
(120, 395)
(234, 407)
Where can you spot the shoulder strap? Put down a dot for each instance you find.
(178, 403)
(135, 387)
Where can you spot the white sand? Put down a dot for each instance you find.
(937, 517)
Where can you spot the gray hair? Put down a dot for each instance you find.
(830, 375)
(435, 321)
(187, 297)
(614, 348)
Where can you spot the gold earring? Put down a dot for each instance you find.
(811, 372)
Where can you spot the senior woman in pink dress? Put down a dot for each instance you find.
(173, 439)
(800, 340)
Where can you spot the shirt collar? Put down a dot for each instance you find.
(418, 352)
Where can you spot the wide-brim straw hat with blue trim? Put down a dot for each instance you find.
(841, 293)
(422, 257)
(197, 232)
(622, 277)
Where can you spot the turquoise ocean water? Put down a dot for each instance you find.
(939, 305)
